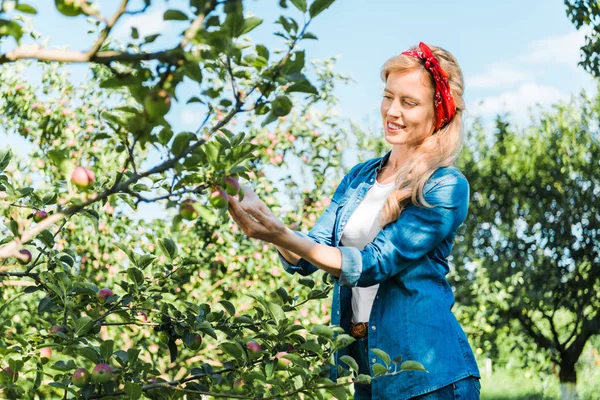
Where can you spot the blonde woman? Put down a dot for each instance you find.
(386, 236)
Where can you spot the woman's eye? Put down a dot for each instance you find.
(387, 96)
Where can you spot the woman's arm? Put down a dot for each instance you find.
(289, 256)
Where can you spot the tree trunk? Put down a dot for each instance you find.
(568, 380)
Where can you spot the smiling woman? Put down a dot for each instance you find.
(386, 236)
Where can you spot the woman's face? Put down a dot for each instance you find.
(407, 108)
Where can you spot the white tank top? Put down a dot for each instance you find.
(361, 229)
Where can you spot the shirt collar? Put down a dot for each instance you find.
(384, 159)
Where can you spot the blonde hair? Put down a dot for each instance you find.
(438, 150)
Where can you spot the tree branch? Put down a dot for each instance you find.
(106, 31)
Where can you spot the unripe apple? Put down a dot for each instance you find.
(282, 362)
(195, 343)
(82, 177)
(187, 210)
(27, 255)
(101, 373)
(157, 103)
(253, 347)
(219, 199)
(9, 375)
(232, 186)
(81, 377)
(40, 215)
(238, 386)
(103, 294)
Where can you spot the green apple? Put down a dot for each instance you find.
(157, 103)
(101, 373)
(187, 209)
(219, 199)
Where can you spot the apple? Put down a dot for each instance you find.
(101, 373)
(282, 362)
(103, 294)
(187, 209)
(45, 354)
(195, 343)
(55, 330)
(40, 215)
(253, 347)
(238, 386)
(219, 199)
(232, 186)
(82, 177)
(81, 377)
(157, 103)
(27, 255)
(9, 375)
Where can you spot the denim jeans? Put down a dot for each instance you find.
(464, 389)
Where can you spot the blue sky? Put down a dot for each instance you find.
(514, 54)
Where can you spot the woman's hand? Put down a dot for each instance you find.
(254, 217)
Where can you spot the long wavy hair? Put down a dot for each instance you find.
(438, 150)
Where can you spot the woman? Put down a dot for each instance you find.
(390, 290)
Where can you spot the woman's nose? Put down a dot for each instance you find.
(394, 110)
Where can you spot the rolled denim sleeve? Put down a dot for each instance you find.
(412, 236)
(322, 231)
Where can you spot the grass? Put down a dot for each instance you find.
(512, 385)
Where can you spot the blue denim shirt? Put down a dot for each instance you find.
(411, 315)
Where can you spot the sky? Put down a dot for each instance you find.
(514, 54)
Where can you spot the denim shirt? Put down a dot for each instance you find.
(411, 315)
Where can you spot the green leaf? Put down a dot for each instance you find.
(168, 247)
(11, 28)
(175, 15)
(412, 366)
(92, 215)
(307, 282)
(106, 349)
(339, 392)
(350, 362)
(322, 331)
(89, 353)
(5, 156)
(133, 390)
(318, 6)
(135, 275)
(47, 238)
(234, 349)
(383, 355)
(83, 326)
(363, 379)
(296, 359)
(299, 4)
(229, 307)
(181, 141)
(145, 260)
(26, 8)
(379, 369)
(134, 33)
(303, 87)
(276, 311)
(251, 23)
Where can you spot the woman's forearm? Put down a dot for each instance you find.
(290, 256)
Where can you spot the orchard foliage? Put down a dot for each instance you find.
(97, 302)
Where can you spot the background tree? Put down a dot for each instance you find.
(531, 233)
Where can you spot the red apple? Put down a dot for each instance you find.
(27, 255)
(9, 375)
(45, 354)
(232, 186)
(55, 330)
(157, 103)
(82, 177)
(253, 347)
(40, 215)
(196, 343)
(187, 210)
(101, 373)
(282, 362)
(219, 199)
(103, 294)
(81, 377)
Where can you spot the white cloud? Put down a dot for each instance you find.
(517, 102)
(498, 76)
(557, 50)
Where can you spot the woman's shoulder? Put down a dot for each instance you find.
(448, 176)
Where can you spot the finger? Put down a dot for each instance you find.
(242, 215)
(235, 215)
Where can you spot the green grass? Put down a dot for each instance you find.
(512, 385)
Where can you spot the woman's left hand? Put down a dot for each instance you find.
(254, 217)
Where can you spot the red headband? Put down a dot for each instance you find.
(443, 100)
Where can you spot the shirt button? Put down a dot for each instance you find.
(373, 360)
(374, 327)
(338, 313)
